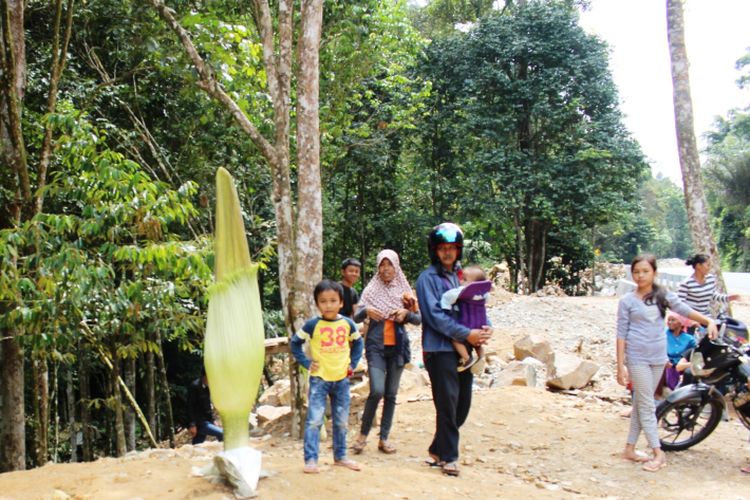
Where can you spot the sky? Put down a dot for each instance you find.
(717, 34)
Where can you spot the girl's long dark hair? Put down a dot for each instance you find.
(658, 294)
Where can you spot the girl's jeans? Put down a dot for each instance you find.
(316, 407)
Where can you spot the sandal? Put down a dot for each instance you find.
(745, 469)
(311, 467)
(386, 447)
(639, 457)
(358, 446)
(349, 464)
(654, 465)
(450, 469)
(434, 461)
(464, 365)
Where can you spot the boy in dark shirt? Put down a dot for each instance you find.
(350, 271)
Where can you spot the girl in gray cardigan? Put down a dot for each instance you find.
(642, 353)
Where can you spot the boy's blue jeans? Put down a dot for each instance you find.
(316, 407)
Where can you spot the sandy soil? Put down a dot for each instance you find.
(518, 442)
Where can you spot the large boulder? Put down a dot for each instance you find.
(267, 414)
(279, 394)
(570, 372)
(517, 373)
(530, 346)
(410, 380)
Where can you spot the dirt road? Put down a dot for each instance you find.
(518, 442)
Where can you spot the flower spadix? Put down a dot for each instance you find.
(234, 345)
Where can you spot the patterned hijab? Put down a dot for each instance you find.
(386, 297)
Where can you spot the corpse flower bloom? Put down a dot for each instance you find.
(234, 345)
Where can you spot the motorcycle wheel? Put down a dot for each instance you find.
(683, 424)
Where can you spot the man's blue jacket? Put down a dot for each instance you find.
(439, 326)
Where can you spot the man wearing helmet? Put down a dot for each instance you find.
(451, 390)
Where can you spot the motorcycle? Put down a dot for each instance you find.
(691, 412)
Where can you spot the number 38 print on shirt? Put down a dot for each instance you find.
(329, 345)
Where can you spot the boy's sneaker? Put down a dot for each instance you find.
(464, 365)
(478, 368)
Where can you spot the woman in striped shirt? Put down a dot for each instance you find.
(699, 290)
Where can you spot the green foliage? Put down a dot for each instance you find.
(368, 111)
(525, 131)
(107, 254)
(727, 174)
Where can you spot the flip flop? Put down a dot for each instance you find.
(349, 464)
(654, 466)
(450, 469)
(745, 469)
(311, 468)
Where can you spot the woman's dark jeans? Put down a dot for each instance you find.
(383, 383)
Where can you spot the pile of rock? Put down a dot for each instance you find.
(274, 405)
(535, 364)
(607, 277)
(551, 289)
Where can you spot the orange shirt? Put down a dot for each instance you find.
(389, 332)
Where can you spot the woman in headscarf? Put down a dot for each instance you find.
(679, 343)
(389, 303)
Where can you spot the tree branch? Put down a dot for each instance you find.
(58, 65)
(208, 83)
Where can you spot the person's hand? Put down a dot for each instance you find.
(374, 314)
(734, 296)
(193, 430)
(683, 365)
(479, 336)
(314, 366)
(713, 332)
(400, 315)
(622, 376)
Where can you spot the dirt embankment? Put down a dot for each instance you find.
(518, 442)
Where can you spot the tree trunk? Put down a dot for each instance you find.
(83, 385)
(70, 401)
(120, 446)
(13, 154)
(695, 200)
(41, 410)
(164, 387)
(151, 393)
(309, 205)
(129, 413)
(520, 269)
(12, 435)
